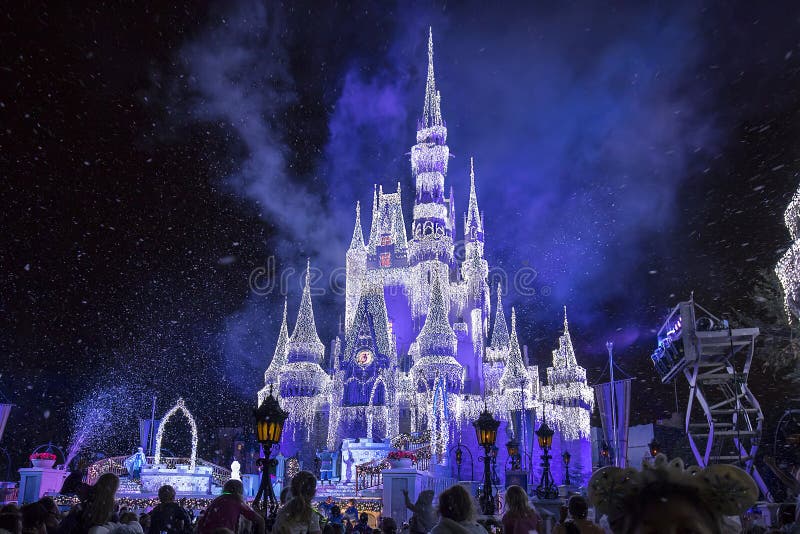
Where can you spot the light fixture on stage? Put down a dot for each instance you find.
(547, 487)
(513, 454)
(270, 418)
(655, 447)
(486, 430)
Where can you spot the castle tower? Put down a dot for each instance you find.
(436, 373)
(567, 403)
(432, 232)
(356, 265)
(303, 384)
(272, 374)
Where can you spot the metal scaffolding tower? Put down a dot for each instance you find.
(723, 418)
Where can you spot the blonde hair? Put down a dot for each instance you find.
(517, 503)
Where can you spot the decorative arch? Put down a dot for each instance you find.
(179, 406)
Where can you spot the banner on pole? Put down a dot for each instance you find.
(622, 400)
(5, 410)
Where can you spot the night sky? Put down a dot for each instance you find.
(154, 155)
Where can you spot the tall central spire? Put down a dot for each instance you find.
(432, 112)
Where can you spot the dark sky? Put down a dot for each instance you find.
(154, 155)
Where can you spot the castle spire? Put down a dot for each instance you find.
(281, 349)
(373, 230)
(357, 243)
(304, 340)
(515, 375)
(566, 353)
(500, 339)
(437, 337)
(473, 214)
(432, 111)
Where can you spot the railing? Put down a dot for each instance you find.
(116, 465)
(370, 474)
(9, 494)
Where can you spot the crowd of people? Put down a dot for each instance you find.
(663, 498)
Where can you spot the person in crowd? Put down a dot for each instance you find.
(362, 527)
(34, 516)
(457, 513)
(577, 522)
(388, 526)
(423, 516)
(298, 516)
(286, 494)
(144, 520)
(666, 497)
(226, 510)
(325, 507)
(336, 517)
(351, 512)
(348, 525)
(519, 517)
(168, 516)
(53, 514)
(10, 522)
(131, 522)
(98, 517)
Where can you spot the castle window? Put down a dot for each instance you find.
(386, 260)
(386, 240)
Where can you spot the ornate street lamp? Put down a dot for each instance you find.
(655, 447)
(547, 486)
(269, 427)
(566, 457)
(604, 455)
(513, 454)
(486, 431)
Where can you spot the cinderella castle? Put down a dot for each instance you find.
(421, 349)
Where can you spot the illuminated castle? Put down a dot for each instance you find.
(417, 351)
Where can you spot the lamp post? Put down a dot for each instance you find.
(566, 457)
(486, 431)
(269, 427)
(513, 454)
(547, 487)
(655, 447)
(604, 455)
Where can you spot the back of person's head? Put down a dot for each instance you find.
(10, 508)
(336, 511)
(286, 494)
(49, 504)
(363, 518)
(166, 493)
(234, 487)
(337, 528)
(304, 486)
(388, 525)
(34, 516)
(128, 517)
(11, 522)
(517, 504)
(328, 529)
(456, 503)
(100, 505)
(425, 498)
(578, 507)
(222, 530)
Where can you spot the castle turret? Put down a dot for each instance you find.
(302, 375)
(432, 229)
(356, 261)
(272, 374)
(515, 374)
(437, 344)
(497, 351)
